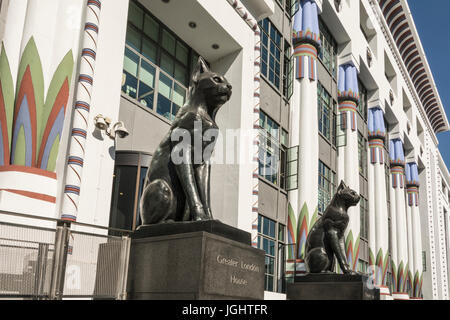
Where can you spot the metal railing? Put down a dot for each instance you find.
(44, 258)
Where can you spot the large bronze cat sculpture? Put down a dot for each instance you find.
(175, 190)
(325, 242)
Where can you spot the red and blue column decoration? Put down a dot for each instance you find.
(412, 184)
(253, 24)
(397, 163)
(81, 111)
(306, 39)
(377, 135)
(348, 95)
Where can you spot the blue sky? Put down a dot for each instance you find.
(432, 19)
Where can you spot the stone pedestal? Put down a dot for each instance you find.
(196, 261)
(332, 287)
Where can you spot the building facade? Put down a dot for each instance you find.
(323, 91)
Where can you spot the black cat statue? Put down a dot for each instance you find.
(325, 242)
(177, 186)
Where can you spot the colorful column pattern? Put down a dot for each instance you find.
(303, 202)
(414, 230)
(32, 111)
(348, 161)
(378, 215)
(400, 259)
(253, 24)
(77, 141)
(348, 95)
(306, 39)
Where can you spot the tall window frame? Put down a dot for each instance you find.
(326, 186)
(326, 108)
(288, 71)
(271, 239)
(363, 100)
(362, 155)
(271, 49)
(328, 52)
(269, 148)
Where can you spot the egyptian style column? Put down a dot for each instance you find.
(414, 229)
(378, 213)
(304, 127)
(36, 67)
(399, 224)
(348, 162)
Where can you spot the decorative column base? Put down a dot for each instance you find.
(400, 296)
(21, 191)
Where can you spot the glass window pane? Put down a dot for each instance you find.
(131, 62)
(266, 227)
(147, 74)
(149, 50)
(182, 53)
(281, 231)
(151, 28)
(135, 15)
(146, 84)
(167, 64)
(163, 107)
(180, 74)
(179, 95)
(168, 42)
(271, 248)
(165, 93)
(175, 109)
(272, 229)
(165, 86)
(134, 38)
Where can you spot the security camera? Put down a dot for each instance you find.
(100, 122)
(119, 130)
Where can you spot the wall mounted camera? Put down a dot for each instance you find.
(116, 130)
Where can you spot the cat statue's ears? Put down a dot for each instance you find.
(201, 68)
(342, 186)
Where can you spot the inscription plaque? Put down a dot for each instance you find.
(232, 270)
(195, 266)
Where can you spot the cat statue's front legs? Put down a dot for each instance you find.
(203, 178)
(187, 177)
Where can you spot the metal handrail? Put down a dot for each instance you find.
(58, 221)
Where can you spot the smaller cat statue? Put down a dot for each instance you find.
(325, 242)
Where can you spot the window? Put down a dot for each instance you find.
(291, 7)
(288, 72)
(364, 218)
(270, 52)
(328, 54)
(269, 148)
(292, 169)
(157, 64)
(362, 154)
(271, 239)
(283, 159)
(326, 113)
(128, 184)
(327, 186)
(363, 99)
